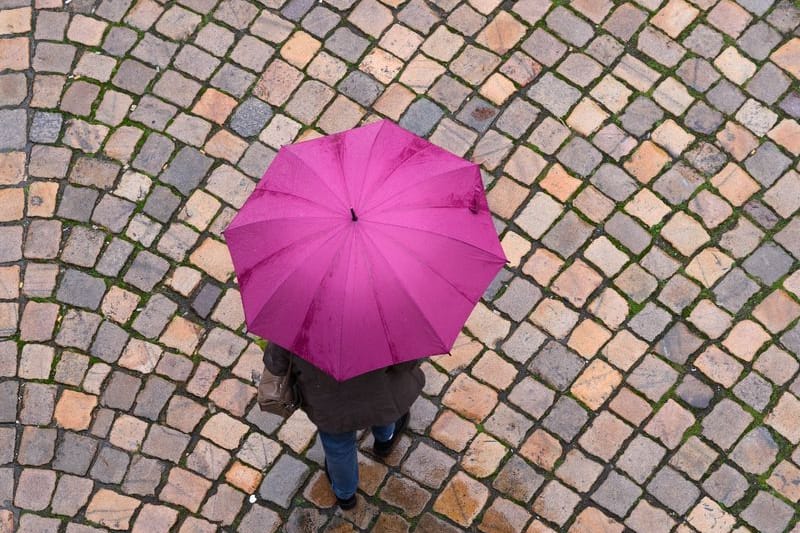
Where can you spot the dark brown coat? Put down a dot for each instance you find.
(372, 399)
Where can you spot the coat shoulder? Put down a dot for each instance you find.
(375, 398)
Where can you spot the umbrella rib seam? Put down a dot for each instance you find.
(439, 274)
(265, 190)
(340, 148)
(319, 178)
(261, 262)
(405, 289)
(416, 183)
(317, 292)
(344, 306)
(486, 252)
(392, 349)
(369, 162)
(399, 165)
(281, 219)
(278, 285)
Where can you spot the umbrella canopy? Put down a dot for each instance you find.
(364, 249)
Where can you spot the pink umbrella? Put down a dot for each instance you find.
(364, 249)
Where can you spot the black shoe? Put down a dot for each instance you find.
(346, 504)
(349, 503)
(383, 449)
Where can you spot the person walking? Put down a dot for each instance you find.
(357, 255)
(379, 400)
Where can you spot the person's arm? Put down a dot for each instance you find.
(276, 359)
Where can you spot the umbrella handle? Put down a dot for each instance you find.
(353, 215)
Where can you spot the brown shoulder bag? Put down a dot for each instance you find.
(279, 395)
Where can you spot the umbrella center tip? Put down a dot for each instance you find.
(353, 215)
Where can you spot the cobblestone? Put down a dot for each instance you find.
(421, 117)
(635, 362)
(767, 513)
(74, 454)
(283, 480)
(726, 485)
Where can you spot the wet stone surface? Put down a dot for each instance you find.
(633, 368)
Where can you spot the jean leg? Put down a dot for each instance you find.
(340, 454)
(383, 433)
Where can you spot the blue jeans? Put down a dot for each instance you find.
(340, 454)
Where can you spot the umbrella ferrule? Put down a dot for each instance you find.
(353, 214)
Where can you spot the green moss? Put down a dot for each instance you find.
(693, 431)
(634, 307)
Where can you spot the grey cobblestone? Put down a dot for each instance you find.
(75, 453)
(8, 392)
(283, 480)
(38, 401)
(80, 289)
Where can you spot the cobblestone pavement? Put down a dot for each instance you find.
(635, 367)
